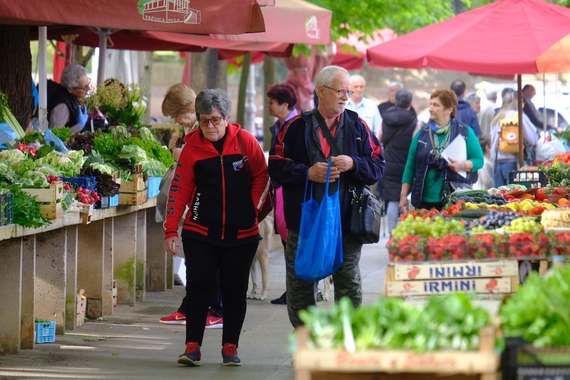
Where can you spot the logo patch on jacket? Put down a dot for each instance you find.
(238, 165)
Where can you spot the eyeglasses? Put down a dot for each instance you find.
(340, 92)
(84, 88)
(216, 120)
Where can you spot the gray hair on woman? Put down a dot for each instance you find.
(71, 75)
(403, 98)
(471, 98)
(327, 75)
(213, 99)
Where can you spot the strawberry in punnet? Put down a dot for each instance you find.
(449, 247)
(559, 243)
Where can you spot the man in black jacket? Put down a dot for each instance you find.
(399, 124)
(302, 151)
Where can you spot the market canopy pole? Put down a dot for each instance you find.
(42, 58)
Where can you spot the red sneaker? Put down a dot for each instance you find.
(176, 318)
(213, 322)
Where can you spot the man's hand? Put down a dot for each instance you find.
(343, 163)
(318, 172)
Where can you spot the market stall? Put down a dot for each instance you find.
(77, 223)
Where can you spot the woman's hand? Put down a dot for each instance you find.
(170, 245)
(404, 205)
(458, 166)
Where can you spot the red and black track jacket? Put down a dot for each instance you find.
(222, 203)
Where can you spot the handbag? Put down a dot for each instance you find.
(162, 197)
(365, 215)
(319, 250)
(269, 201)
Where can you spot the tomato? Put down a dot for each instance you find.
(540, 195)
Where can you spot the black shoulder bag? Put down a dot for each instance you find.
(366, 210)
(449, 187)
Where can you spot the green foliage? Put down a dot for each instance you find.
(401, 16)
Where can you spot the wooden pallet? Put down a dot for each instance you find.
(485, 277)
(311, 364)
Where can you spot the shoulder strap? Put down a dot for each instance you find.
(396, 134)
(326, 132)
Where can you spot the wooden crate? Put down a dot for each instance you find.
(311, 364)
(133, 198)
(49, 199)
(487, 277)
(137, 184)
(134, 192)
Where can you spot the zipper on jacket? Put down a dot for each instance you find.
(223, 197)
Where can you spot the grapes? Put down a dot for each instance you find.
(523, 224)
(436, 227)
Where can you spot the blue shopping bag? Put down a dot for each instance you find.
(319, 249)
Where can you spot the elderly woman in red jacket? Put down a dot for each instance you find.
(220, 233)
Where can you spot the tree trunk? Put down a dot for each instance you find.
(208, 71)
(242, 88)
(269, 75)
(16, 63)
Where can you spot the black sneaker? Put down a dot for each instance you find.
(192, 357)
(229, 355)
(281, 300)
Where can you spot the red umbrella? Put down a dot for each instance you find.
(181, 16)
(505, 37)
(290, 21)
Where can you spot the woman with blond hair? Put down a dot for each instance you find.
(507, 162)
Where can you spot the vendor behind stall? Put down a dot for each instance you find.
(64, 106)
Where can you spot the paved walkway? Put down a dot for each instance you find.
(132, 344)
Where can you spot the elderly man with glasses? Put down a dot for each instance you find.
(65, 108)
(302, 152)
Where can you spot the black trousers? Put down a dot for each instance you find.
(232, 264)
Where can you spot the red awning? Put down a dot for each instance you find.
(179, 16)
(505, 37)
(290, 21)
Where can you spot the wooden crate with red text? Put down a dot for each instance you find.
(471, 276)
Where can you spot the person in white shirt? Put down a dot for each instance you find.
(366, 108)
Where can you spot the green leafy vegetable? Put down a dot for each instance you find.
(538, 311)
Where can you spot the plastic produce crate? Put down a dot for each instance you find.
(528, 178)
(45, 332)
(107, 201)
(6, 209)
(522, 361)
(153, 186)
(87, 182)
